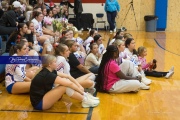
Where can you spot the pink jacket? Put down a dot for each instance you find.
(144, 65)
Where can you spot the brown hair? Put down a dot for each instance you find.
(60, 48)
(69, 43)
(17, 46)
(141, 50)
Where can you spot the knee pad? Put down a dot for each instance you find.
(92, 77)
(69, 92)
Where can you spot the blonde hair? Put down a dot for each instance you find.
(47, 59)
(29, 8)
(118, 42)
(141, 50)
(127, 35)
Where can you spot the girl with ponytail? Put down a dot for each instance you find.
(114, 78)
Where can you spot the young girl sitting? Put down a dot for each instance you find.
(119, 35)
(43, 96)
(123, 57)
(112, 78)
(62, 52)
(93, 59)
(16, 79)
(90, 38)
(76, 68)
(147, 67)
(98, 40)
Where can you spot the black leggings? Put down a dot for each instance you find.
(155, 73)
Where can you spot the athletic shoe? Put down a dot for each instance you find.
(92, 97)
(114, 30)
(145, 81)
(169, 74)
(111, 31)
(89, 103)
(172, 69)
(144, 87)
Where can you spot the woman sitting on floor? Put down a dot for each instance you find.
(43, 96)
(117, 79)
(16, 79)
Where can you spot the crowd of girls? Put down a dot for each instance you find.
(71, 65)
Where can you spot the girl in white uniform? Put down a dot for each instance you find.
(80, 53)
(44, 40)
(62, 52)
(16, 80)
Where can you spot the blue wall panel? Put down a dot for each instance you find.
(161, 12)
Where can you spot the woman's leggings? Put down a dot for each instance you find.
(155, 73)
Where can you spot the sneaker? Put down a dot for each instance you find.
(92, 97)
(90, 103)
(90, 90)
(145, 81)
(114, 30)
(144, 87)
(111, 31)
(172, 69)
(169, 74)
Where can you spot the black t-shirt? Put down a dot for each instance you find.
(41, 84)
(14, 36)
(73, 62)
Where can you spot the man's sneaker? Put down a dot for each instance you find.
(145, 81)
(91, 97)
(90, 90)
(90, 103)
(172, 69)
(111, 31)
(144, 87)
(114, 30)
(169, 74)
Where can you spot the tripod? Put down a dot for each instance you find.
(130, 7)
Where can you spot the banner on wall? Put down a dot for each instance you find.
(83, 1)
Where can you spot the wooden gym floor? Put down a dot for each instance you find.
(161, 102)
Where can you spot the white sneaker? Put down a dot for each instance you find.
(145, 81)
(111, 31)
(92, 97)
(144, 87)
(172, 69)
(169, 74)
(114, 30)
(90, 103)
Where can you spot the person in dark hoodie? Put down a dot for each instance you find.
(8, 22)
